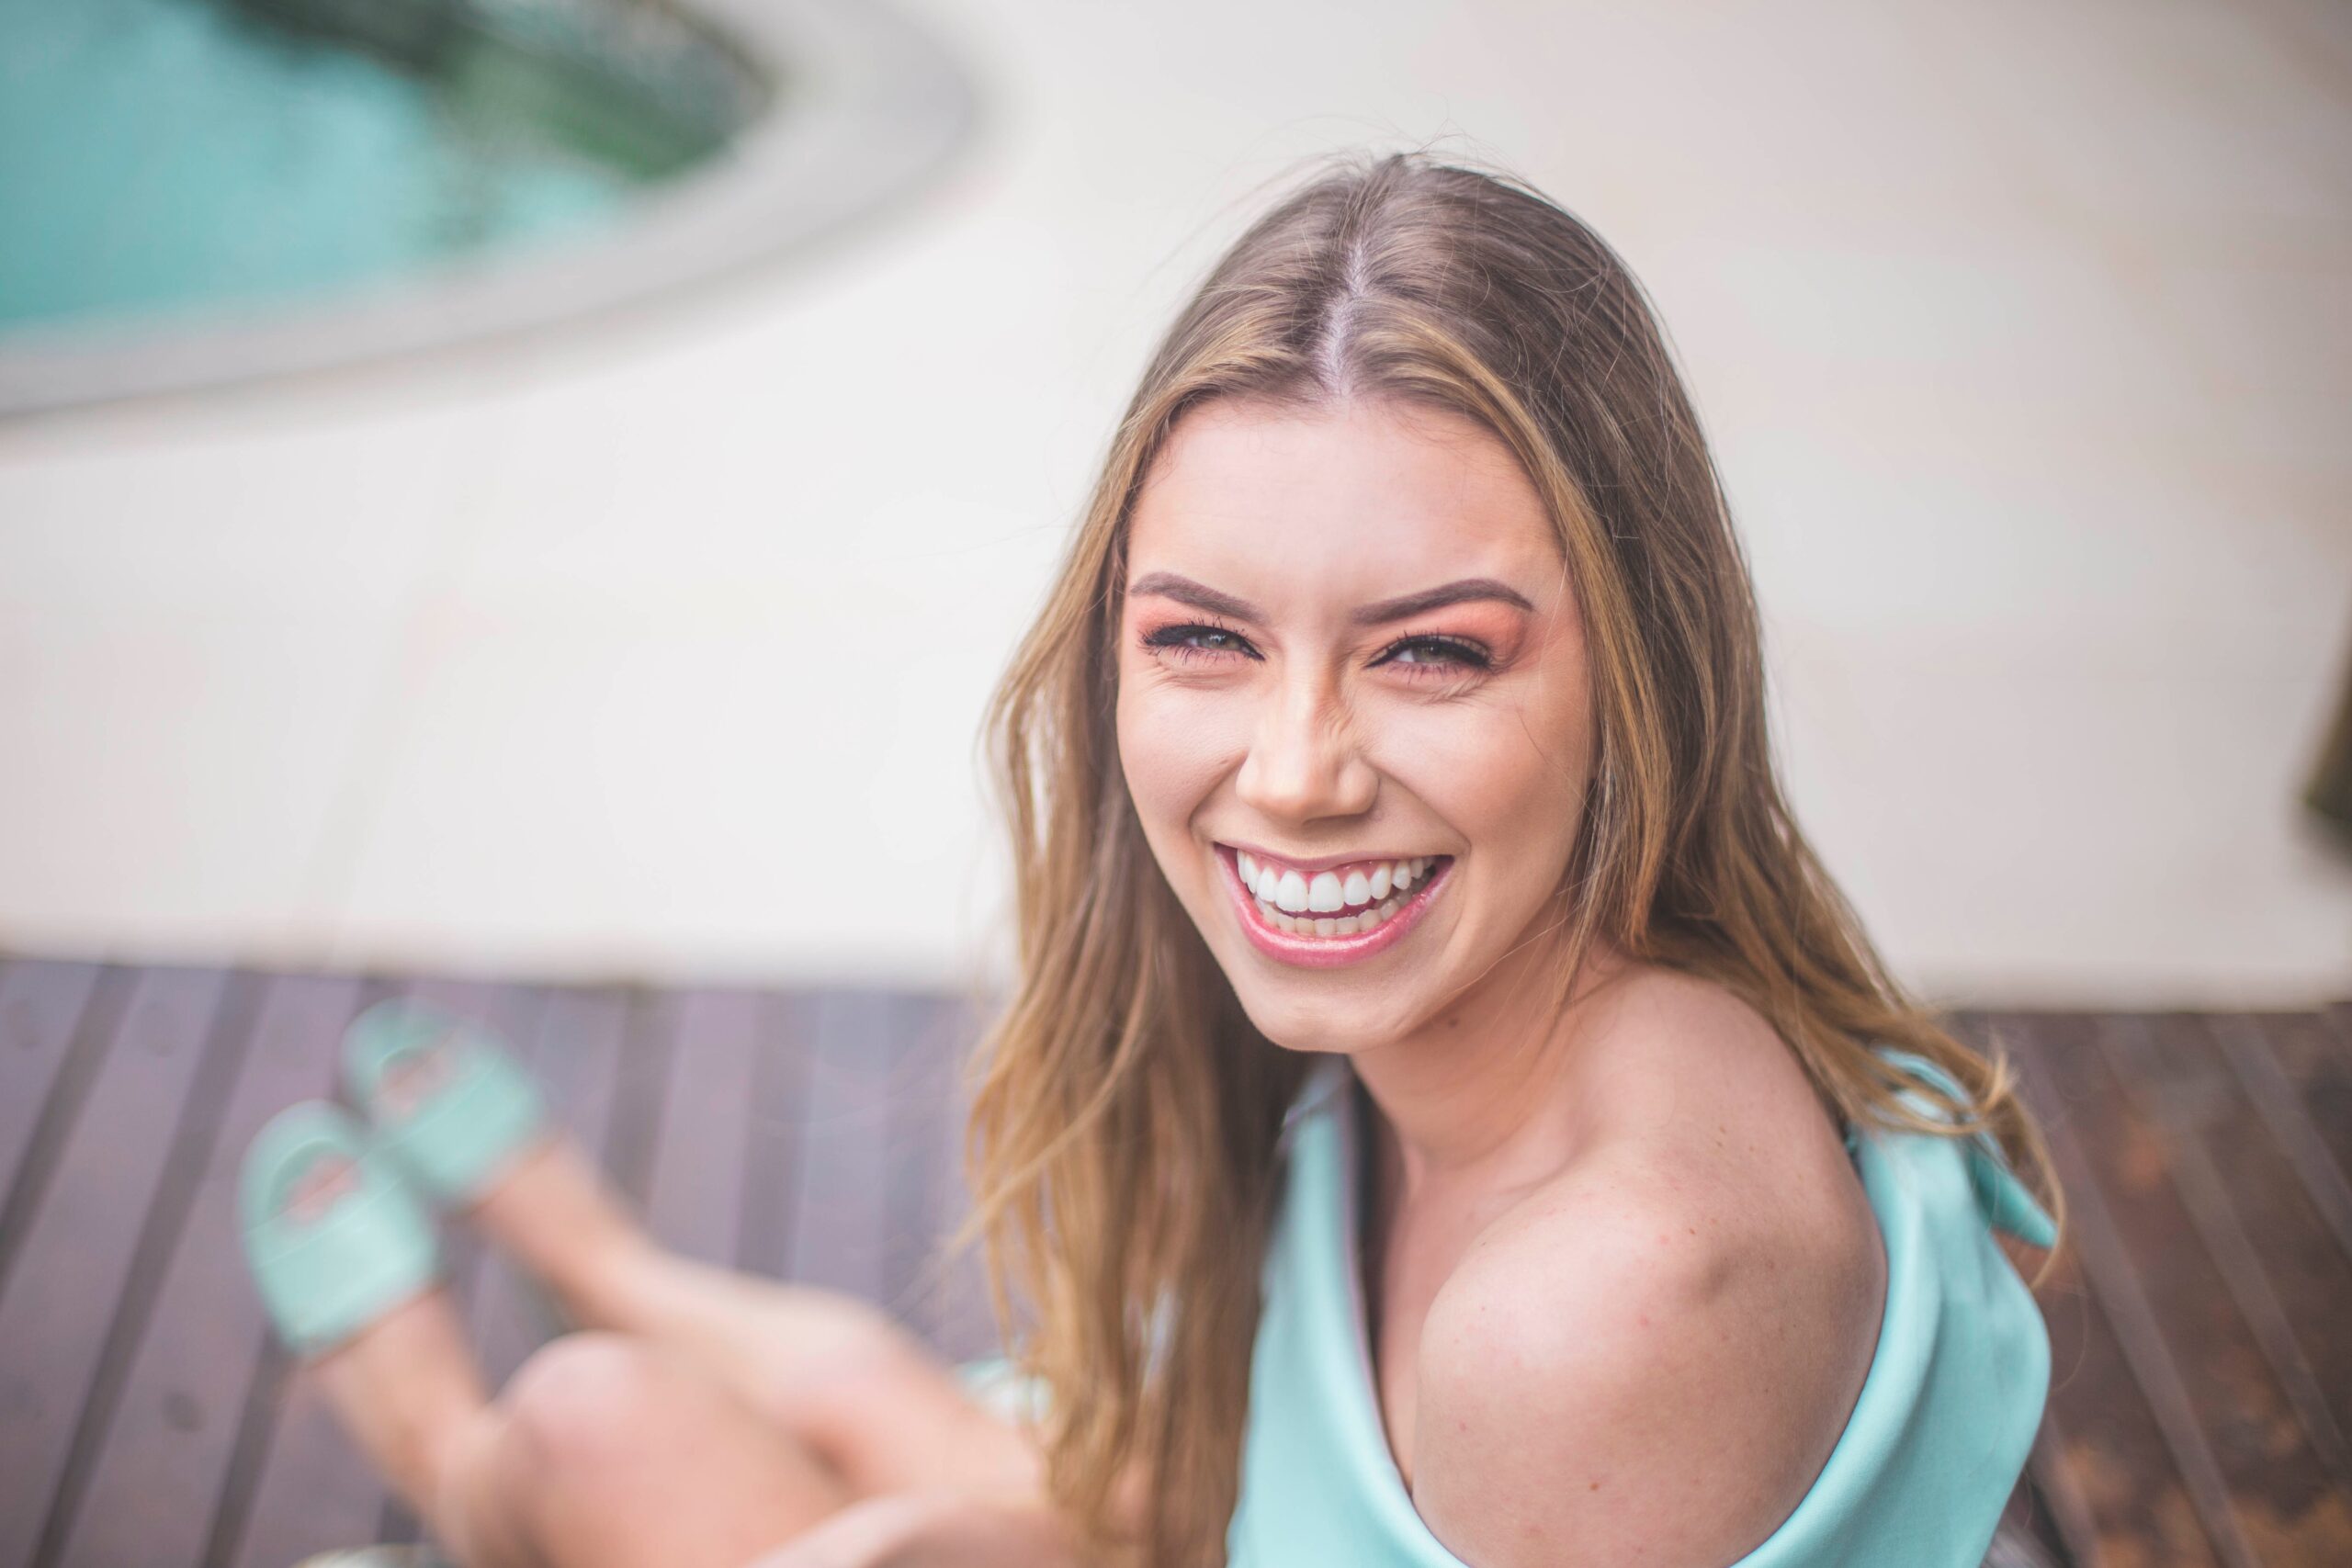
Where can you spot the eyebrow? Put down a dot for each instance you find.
(1469, 589)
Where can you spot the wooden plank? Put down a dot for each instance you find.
(153, 1486)
(926, 1119)
(963, 1325)
(2114, 1492)
(311, 1491)
(695, 1204)
(2305, 1047)
(226, 1041)
(2293, 1281)
(639, 1087)
(919, 1091)
(2339, 1022)
(2059, 1515)
(2205, 1283)
(56, 1115)
(2230, 1425)
(582, 1060)
(2283, 1453)
(2112, 1438)
(62, 1297)
(2248, 1047)
(41, 1003)
(838, 1238)
(576, 1058)
(773, 1142)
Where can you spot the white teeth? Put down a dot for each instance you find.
(1326, 925)
(1292, 901)
(1323, 894)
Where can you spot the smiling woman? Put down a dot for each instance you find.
(1447, 1114)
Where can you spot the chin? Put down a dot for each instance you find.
(1311, 1025)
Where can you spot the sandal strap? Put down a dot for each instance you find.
(324, 1279)
(460, 1137)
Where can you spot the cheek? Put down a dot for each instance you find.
(1173, 748)
(1509, 778)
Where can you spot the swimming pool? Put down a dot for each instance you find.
(201, 193)
(165, 157)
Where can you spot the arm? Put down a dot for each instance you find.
(1638, 1379)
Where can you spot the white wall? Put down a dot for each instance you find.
(2023, 331)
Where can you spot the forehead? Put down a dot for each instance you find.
(1365, 498)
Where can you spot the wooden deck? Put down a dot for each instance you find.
(2200, 1322)
(2201, 1327)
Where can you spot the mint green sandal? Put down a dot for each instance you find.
(326, 1276)
(480, 1109)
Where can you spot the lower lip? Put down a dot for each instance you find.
(1327, 951)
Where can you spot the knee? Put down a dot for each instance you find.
(583, 1407)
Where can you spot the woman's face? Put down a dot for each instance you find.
(1347, 641)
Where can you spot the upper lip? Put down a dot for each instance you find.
(1312, 863)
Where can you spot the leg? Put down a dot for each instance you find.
(589, 1428)
(607, 1452)
(868, 1397)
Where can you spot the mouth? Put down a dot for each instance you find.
(1360, 913)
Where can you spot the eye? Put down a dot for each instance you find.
(1424, 656)
(1177, 640)
(1454, 655)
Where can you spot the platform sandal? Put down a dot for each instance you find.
(330, 1263)
(448, 1101)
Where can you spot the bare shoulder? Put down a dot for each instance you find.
(1650, 1357)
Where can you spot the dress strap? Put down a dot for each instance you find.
(2007, 1204)
(1323, 1078)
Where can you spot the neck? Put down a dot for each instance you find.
(1475, 1098)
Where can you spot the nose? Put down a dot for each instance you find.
(1306, 758)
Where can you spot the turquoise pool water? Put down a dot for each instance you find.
(170, 158)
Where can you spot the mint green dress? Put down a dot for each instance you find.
(1934, 1445)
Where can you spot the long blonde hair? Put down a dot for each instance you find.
(1122, 1147)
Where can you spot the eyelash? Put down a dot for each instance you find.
(1472, 658)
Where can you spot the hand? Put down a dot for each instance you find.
(933, 1530)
